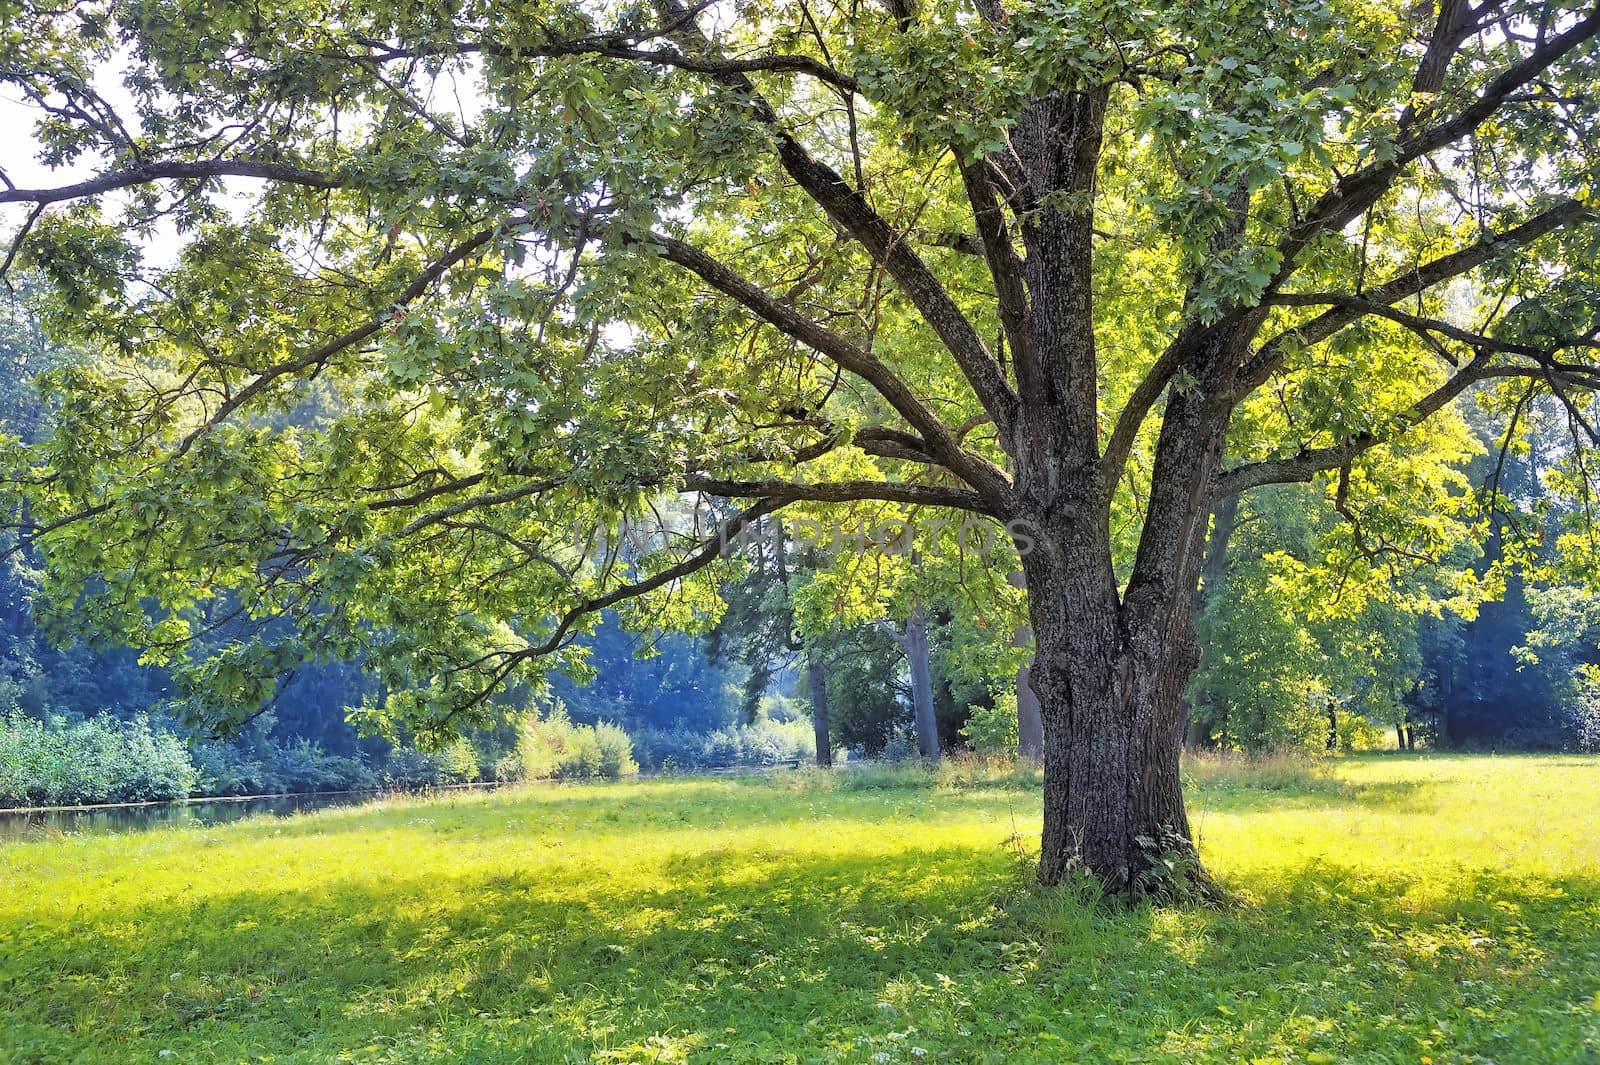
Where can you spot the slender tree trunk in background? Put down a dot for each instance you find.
(915, 645)
(1213, 586)
(817, 681)
(1030, 722)
(1333, 725)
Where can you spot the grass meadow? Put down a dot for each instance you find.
(1428, 910)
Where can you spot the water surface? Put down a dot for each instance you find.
(41, 824)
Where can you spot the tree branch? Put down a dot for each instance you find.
(625, 47)
(978, 472)
(1005, 265)
(842, 492)
(848, 208)
(1308, 463)
(182, 171)
(319, 355)
(1353, 194)
(1409, 283)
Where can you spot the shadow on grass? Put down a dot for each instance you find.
(725, 956)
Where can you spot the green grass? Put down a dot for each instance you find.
(1387, 909)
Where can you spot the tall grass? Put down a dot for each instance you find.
(1286, 770)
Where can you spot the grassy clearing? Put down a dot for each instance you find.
(1390, 909)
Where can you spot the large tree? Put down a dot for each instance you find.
(1079, 268)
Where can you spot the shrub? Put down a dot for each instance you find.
(616, 751)
(98, 760)
(993, 729)
(508, 767)
(556, 749)
(408, 767)
(765, 742)
(668, 749)
(304, 766)
(228, 769)
(900, 748)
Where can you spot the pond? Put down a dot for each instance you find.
(36, 824)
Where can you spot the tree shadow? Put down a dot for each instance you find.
(728, 956)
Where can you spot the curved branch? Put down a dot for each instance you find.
(622, 47)
(711, 549)
(843, 492)
(317, 356)
(1408, 283)
(1355, 193)
(978, 472)
(1423, 327)
(182, 171)
(848, 208)
(1309, 462)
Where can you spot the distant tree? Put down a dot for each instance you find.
(1078, 269)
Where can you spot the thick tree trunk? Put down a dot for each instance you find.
(1110, 670)
(1113, 718)
(817, 681)
(1110, 663)
(915, 644)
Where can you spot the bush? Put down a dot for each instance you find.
(304, 766)
(556, 749)
(765, 742)
(408, 767)
(616, 751)
(227, 769)
(98, 760)
(993, 729)
(265, 768)
(669, 749)
(507, 768)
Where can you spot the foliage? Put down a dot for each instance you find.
(1585, 727)
(411, 768)
(993, 729)
(658, 680)
(503, 308)
(553, 748)
(901, 925)
(99, 760)
(1301, 636)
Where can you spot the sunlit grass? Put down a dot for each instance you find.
(1386, 909)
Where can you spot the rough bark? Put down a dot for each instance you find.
(817, 681)
(1112, 724)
